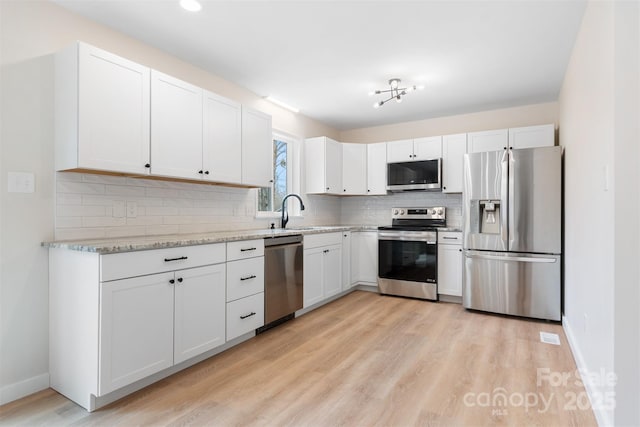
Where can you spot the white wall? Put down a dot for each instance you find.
(599, 130)
(527, 115)
(31, 31)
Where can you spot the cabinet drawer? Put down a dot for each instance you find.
(322, 239)
(244, 278)
(245, 249)
(132, 264)
(450, 238)
(245, 315)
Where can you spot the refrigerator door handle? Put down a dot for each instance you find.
(512, 200)
(510, 258)
(504, 214)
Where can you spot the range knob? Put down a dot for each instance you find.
(401, 211)
(395, 211)
(439, 211)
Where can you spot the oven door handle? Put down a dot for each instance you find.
(427, 237)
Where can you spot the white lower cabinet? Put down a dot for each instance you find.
(150, 323)
(346, 260)
(245, 315)
(450, 263)
(119, 318)
(322, 262)
(364, 258)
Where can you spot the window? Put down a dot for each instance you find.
(285, 179)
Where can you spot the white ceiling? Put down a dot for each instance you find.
(325, 56)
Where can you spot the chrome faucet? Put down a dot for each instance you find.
(285, 214)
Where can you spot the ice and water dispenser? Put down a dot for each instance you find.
(485, 216)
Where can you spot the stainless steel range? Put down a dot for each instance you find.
(408, 253)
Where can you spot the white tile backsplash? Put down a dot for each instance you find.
(84, 207)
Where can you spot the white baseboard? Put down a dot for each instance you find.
(602, 417)
(15, 391)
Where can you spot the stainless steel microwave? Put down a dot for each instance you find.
(425, 175)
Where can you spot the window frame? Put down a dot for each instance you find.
(294, 145)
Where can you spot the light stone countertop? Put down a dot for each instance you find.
(141, 243)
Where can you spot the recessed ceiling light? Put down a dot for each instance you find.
(191, 5)
(282, 104)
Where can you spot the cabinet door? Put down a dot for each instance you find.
(333, 166)
(354, 169)
(314, 169)
(454, 148)
(346, 260)
(176, 127)
(136, 329)
(427, 148)
(364, 257)
(221, 144)
(257, 148)
(450, 270)
(493, 140)
(532, 136)
(377, 169)
(313, 276)
(400, 151)
(113, 112)
(332, 270)
(199, 311)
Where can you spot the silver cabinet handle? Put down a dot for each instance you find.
(515, 258)
(450, 238)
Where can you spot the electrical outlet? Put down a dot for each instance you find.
(132, 209)
(118, 209)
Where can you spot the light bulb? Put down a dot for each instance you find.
(410, 89)
(377, 104)
(394, 83)
(191, 5)
(419, 87)
(398, 99)
(373, 92)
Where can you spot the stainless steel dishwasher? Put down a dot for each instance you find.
(283, 278)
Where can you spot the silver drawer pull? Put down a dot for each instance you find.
(175, 259)
(248, 277)
(449, 238)
(248, 249)
(248, 315)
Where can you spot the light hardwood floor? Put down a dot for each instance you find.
(364, 359)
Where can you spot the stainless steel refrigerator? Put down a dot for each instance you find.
(512, 219)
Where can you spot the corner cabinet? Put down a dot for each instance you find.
(364, 258)
(119, 318)
(323, 166)
(257, 148)
(322, 263)
(102, 115)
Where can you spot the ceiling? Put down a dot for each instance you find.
(325, 56)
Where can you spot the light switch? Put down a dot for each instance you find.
(21, 182)
(132, 209)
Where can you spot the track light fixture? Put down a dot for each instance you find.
(394, 92)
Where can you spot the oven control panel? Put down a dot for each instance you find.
(437, 212)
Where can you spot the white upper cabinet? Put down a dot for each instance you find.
(323, 166)
(377, 169)
(354, 169)
(492, 140)
(427, 148)
(409, 150)
(176, 127)
(222, 143)
(532, 136)
(257, 148)
(102, 111)
(454, 148)
(400, 151)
